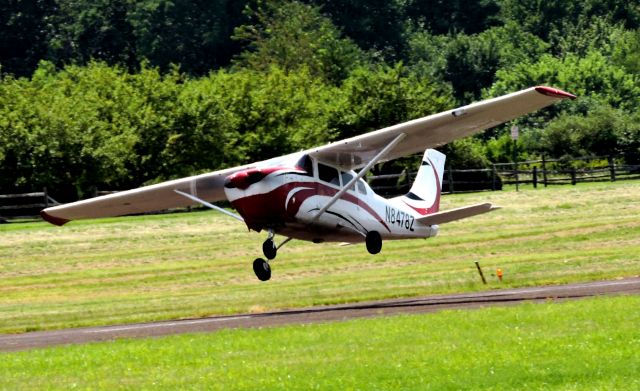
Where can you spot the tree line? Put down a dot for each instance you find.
(113, 94)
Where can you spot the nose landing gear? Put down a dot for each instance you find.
(261, 267)
(269, 248)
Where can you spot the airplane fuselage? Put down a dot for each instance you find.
(286, 199)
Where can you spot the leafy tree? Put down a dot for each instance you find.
(23, 34)
(593, 75)
(451, 17)
(374, 25)
(469, 62)
(603, 132)
(85, 30)
(195, 34)
(383, 96)
(291, 36)
(554, 17)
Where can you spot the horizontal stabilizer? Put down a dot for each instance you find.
(457, 214)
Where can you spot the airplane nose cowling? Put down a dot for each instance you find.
(258, 197)
(243, 179)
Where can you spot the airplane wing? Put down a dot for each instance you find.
(151, 198)
(352, 153)
(457, 214)
(438, 129)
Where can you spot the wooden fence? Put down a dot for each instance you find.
(25, 205)
(531, 173)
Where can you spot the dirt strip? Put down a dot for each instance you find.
(40, 339)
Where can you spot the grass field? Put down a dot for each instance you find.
(195, 264)
(588, 344)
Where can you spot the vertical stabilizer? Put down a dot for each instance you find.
(424, 196)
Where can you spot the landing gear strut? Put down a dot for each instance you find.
(374, 242)
(260, 266)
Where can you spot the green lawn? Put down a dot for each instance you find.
(588, 344)
(196, 264)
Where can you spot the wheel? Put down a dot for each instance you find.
(374, 242)
(269, 249)
(262, 269)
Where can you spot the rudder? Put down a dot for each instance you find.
(424, 196)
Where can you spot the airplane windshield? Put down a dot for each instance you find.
(306, 164)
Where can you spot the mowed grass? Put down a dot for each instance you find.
(148, 268)
(588, 344)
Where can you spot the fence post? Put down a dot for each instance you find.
(535, 177)
(544, 171)
(612, 168)
(493, 177)
(450, 180)
(573, 176)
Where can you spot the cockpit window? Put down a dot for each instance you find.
(306, 164)
(361, 186)
(328, 174)
(346, 177)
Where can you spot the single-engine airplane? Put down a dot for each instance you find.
(315, 195)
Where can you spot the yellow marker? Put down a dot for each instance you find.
(499, 274)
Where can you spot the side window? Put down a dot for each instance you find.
(328, 174)
(346, 177)
(361, 187)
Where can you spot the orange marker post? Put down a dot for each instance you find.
(499, 274)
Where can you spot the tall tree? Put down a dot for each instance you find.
(196, 34)
(375, 25)
(23, 34)
(450, 17)
(292, 35)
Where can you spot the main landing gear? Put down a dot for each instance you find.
(373, 242)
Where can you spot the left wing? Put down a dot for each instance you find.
(161, 196)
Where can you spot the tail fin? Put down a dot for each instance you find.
(424, 196)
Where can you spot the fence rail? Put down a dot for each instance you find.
(24, 205)
(533, 172)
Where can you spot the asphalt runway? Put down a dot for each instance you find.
(40, 339)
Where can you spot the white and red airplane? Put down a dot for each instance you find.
(315, 195)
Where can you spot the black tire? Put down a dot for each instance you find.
(374, 242)
(262, 269)
(269, 249)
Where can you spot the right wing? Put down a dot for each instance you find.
(457, 214)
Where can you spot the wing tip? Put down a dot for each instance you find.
(59, 221)
(554, 92)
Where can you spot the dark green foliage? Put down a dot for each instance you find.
(140, 91)
(293, 36)
(445, 17)
(23, 34)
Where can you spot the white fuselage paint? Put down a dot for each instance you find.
(288, 199)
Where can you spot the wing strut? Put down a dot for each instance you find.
(209, 205)
(361, 173)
